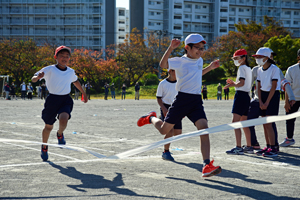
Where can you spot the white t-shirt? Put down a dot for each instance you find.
(245, 73)
(293, 76)
(167, 91)
(58, 81)
(266, 76)
(188, 74)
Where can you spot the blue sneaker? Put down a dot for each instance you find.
(44, 153)
(236, 151)
(287, 142)
(61, 139)
(167, 156)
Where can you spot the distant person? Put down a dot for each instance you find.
(76, 95)
(29, 91)
(123, 91)
(106, 90)
(204, 92)
(7, 90)
(39, 91)
(43, 93)
(59, 103)
(23, 88)
(13, 91)
(226, 93)
(219, 93)
(113, 91)
(88, 87)
(137, 91)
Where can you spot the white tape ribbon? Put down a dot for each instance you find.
(225, 127)
(56, 145)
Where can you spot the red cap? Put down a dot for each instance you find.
(240, 52)
(58, 49)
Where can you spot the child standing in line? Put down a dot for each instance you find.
(241, 99)
(268, 84)
(58, 103)
(166, 92)
(291, 106)
(188, 102)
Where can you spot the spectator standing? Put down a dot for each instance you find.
(204, 92)
(76, 93)
(7, 90)
(123, 91)
(43, 89)
(106, 90)
(39, 91)
(29, 91)
(88, 89)
(23, 90)
(137, 91)
(13, 91)
(226, 93)
(219, 93)
(113, 91)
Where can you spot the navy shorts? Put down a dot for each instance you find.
(54, 105)
(162, 117)
(185, 104)
(273, 107)
(241, 103)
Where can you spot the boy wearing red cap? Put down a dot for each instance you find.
(188, 102)
(58, 103)
(241, 98)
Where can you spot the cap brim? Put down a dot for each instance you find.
(63, 49)
(255, 55)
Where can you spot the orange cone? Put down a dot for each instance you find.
(82, 99)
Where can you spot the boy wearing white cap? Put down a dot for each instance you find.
(268, 81)
(291, 106)
(58, 103)
(188, 102)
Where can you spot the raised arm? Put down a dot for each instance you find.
(38, 77)
(164, 60)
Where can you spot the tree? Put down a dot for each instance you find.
(20, 59)
(286, 49)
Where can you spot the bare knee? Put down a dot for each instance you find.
(63, 118)
(48, 127)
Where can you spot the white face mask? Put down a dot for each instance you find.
(236, 62)
(260, 61)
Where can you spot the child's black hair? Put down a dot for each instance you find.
(191, 45)
(246, 60)
(63, 50)
(271, 61)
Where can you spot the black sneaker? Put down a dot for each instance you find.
(259, 153)
(270, 153)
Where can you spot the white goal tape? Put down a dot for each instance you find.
(55, 145)
(224, 127)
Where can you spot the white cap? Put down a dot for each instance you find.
(194, 39)
(263, 51)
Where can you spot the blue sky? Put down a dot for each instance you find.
(122, 3)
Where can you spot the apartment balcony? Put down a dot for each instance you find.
(224, 24)
(224, 4)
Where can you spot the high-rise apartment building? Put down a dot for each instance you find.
(76, 23)
(122, 24)
(211, 18)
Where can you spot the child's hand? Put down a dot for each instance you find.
(229, 81)
(175, 43)
(215, 64)
(40, 75)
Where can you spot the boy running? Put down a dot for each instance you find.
(166, 92)
(58, 103)
(188, 102)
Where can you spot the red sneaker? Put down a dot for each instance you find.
(210, 170)
(145, 119)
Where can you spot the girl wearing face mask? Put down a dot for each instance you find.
(241, 99)
(268, 83)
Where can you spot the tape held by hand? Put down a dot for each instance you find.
(132, 152)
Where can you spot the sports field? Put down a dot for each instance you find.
(108, 128)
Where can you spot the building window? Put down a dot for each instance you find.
(241, 10)
(158, 13)
(296, 13)
(188, 6)
(223, 20)
(158, 23)
(204, 17)
(231, 19)
(151, 2)
(224, 0)
(158, 2)
(232, 9)
(287, 12)
(198, 16)
(177, 17)
(177, 27)
(204, 7)
(223, 10)
(178, 6)
(121, 22)
(287, 22)
(197, 7)
(151, 23)
(121, 29)
(223, 30)
(295, 22)
(121, 37)
(121, 12)
(151, 13)
(187, 16)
